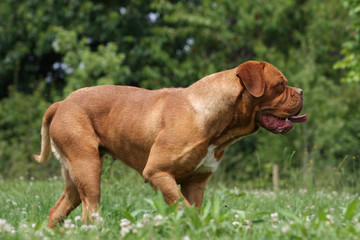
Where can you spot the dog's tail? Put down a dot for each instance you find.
(45, 135)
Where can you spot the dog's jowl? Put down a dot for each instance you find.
(170, 136)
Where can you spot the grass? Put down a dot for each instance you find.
(131, 210)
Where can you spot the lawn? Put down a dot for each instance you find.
(131, 210)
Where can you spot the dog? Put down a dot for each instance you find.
(170, 136)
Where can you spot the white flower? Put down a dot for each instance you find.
(139, 225)
(124, 231)
(67, 221)
(146, 217)
(6, 227)
(330, 218)
(87, 227)
(2, 222)
(285, 229)
(274, 216)
(68, 224)
(77, 218)
(186, 238)
(236, 223)
(158, 217)
(124, 223)
(84, 227)
(96, 217)
(23, 226)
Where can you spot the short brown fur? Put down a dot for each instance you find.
(163, 134)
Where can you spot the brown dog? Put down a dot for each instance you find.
(170, 136)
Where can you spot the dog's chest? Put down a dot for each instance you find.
(209, 163)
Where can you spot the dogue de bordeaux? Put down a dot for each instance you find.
(170, 136)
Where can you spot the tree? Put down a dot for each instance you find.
(351, 48)
(50, 48)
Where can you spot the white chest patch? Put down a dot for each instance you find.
(209, 163)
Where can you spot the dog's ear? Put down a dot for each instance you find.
(251, 74)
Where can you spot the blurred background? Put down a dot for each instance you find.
(50, 48)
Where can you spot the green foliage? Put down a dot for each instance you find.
(86, 67)
(351, 48)
(68, 45)
(131, 210)
(351, 209)
(20, 121)
(327, 143)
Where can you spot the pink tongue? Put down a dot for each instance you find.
(299, 119)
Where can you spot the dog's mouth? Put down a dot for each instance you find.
(282, 125)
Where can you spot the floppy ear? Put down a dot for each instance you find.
(251, 74)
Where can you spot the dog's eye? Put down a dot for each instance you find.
(281, 85)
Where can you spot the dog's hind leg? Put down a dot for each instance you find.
(68, 201)
(85, 171)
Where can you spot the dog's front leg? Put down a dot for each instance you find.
(193, 190)
(167, 185)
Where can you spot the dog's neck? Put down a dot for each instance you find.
(221, 95)
(218, 97)
(219, 91)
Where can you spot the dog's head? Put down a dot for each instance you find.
(277, 105)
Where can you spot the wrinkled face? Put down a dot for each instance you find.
(281, 103)
(278, 104)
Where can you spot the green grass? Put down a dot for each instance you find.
(227, 213)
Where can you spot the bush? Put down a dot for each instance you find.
(20, 123)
